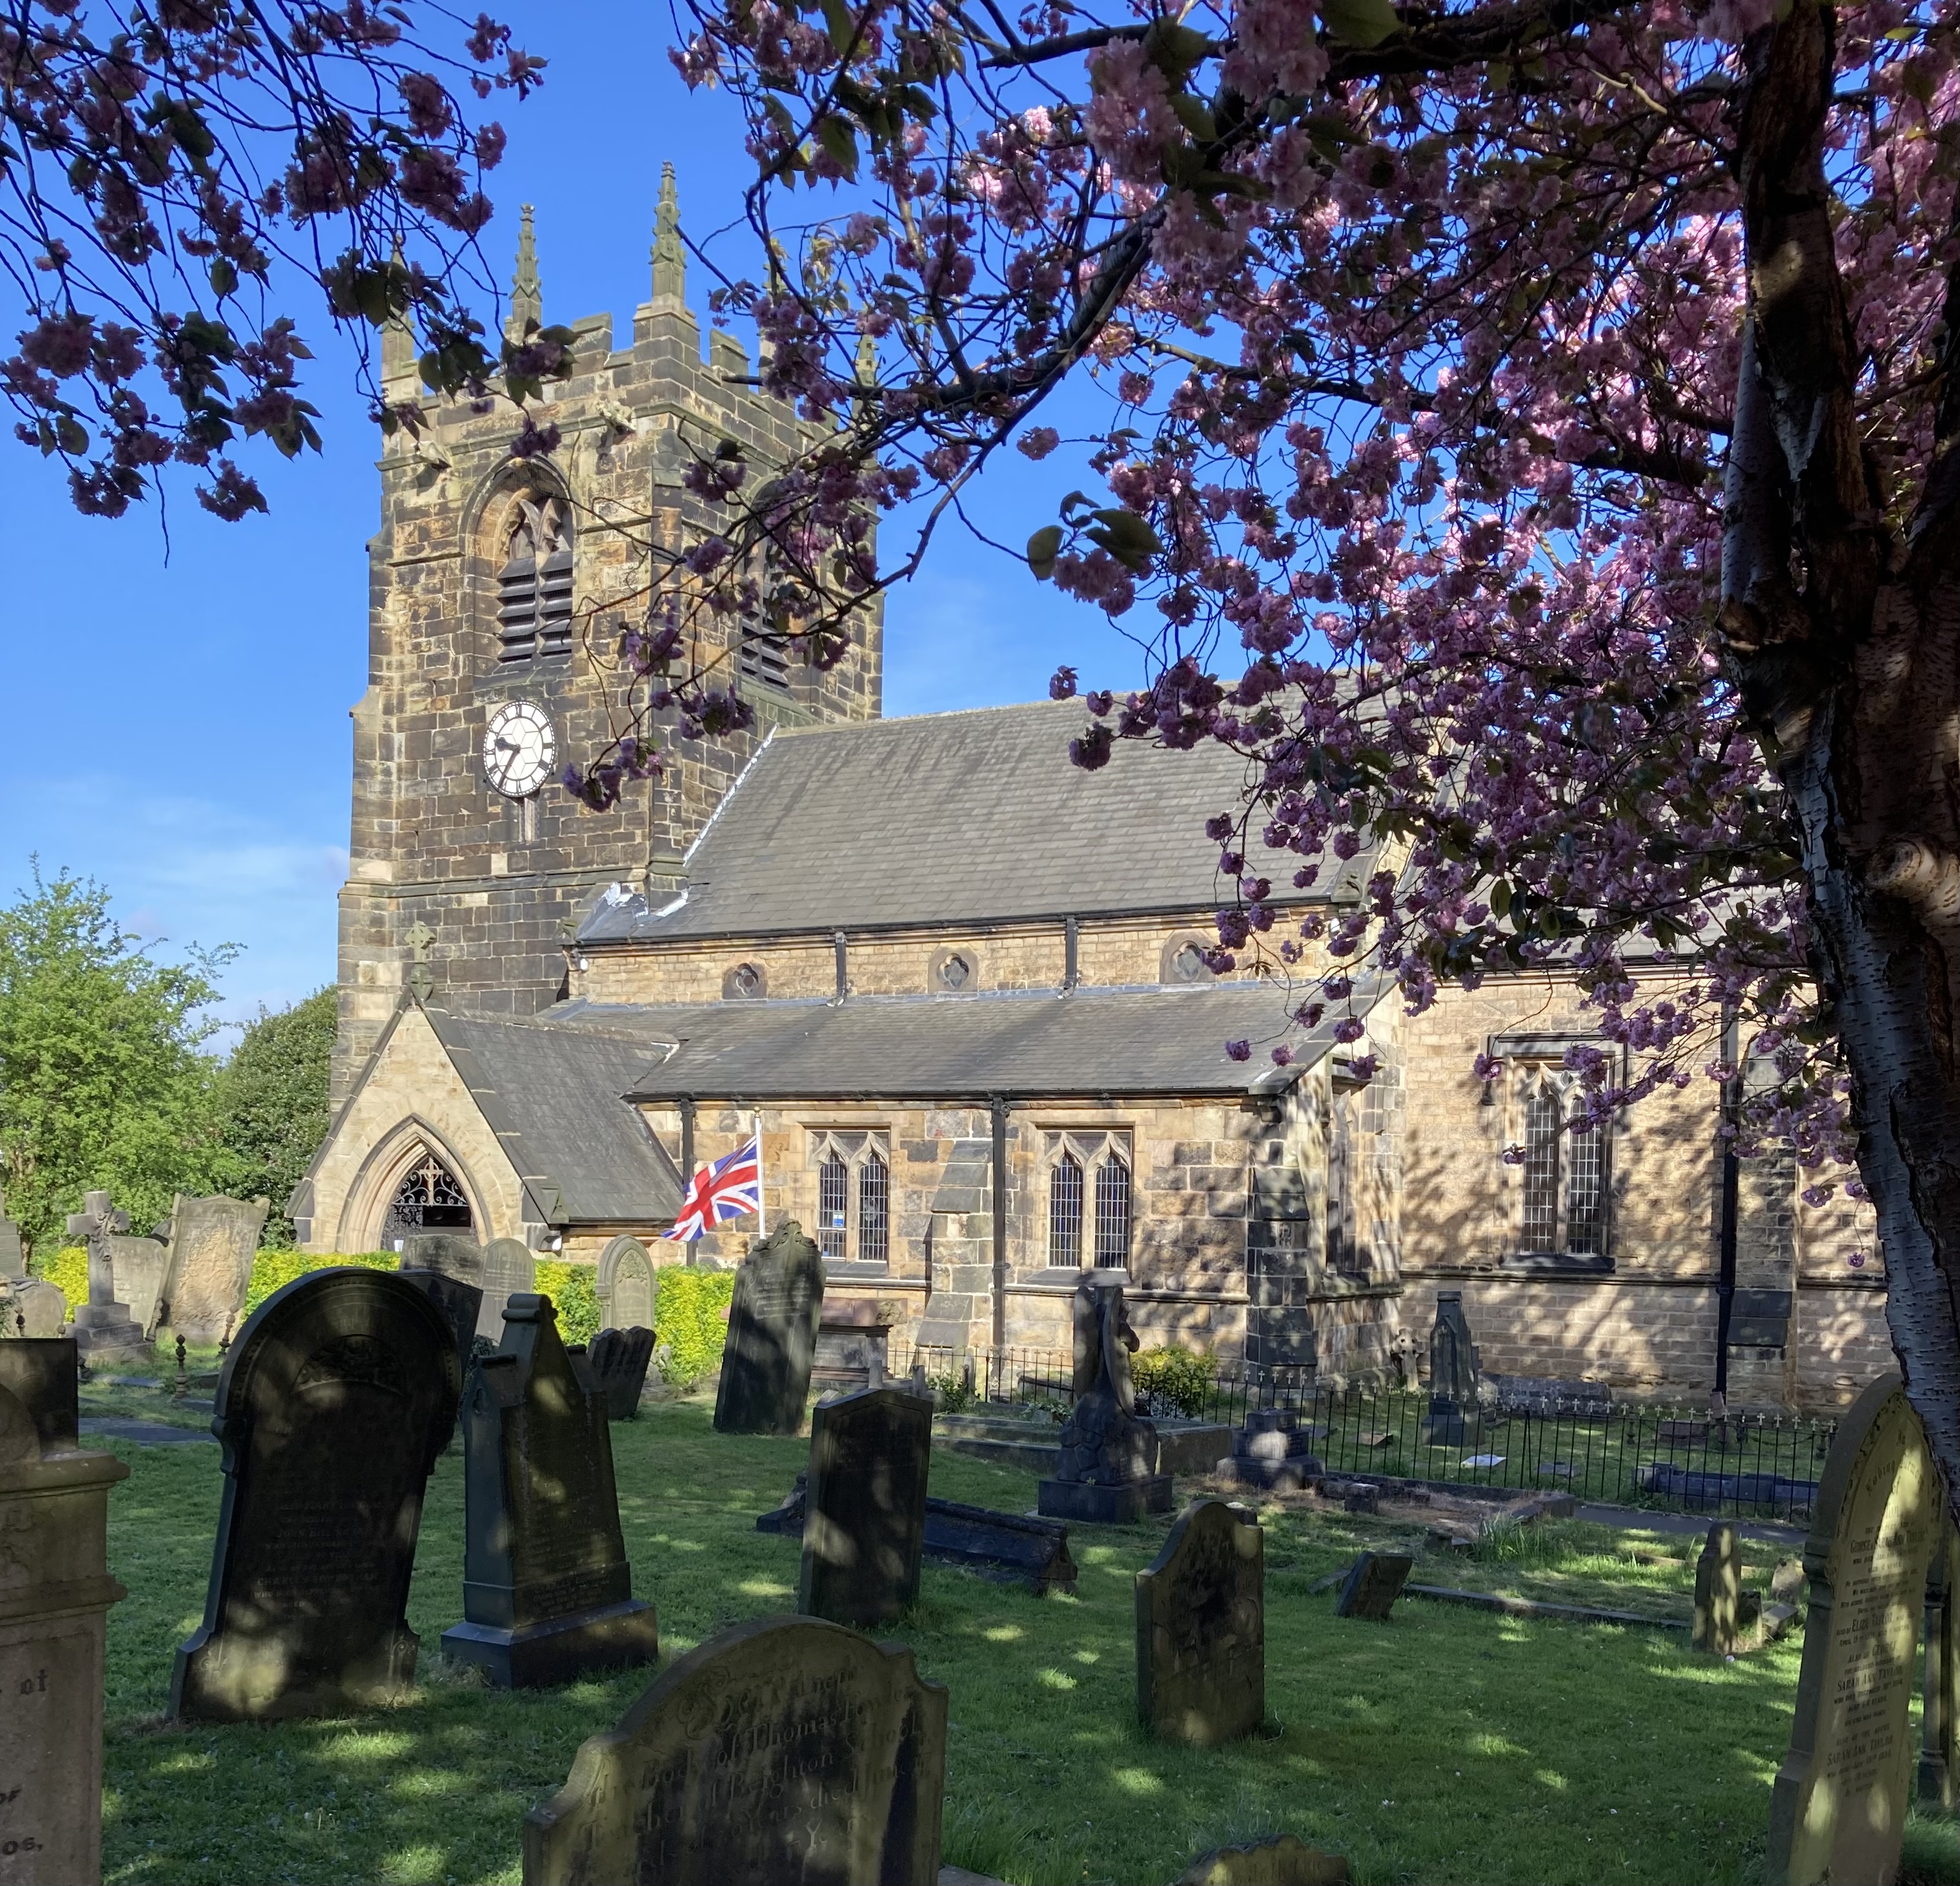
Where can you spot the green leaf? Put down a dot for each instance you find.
(842, 28)
(841, 142)
(1128, 538)
(1195, 116)
(1043, 548)
(223, 277)
(1362, 22)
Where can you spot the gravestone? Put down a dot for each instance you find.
(1373, 1583)
(1108, 1473)
(852, 1345)
(616, 1364)
(458, 1303)
(1202, 1628)
(13, 1261)
(1285, 1860)
(332, 1405)
(41, 1374)
(1837, 1809)
(30, 1306)
(864, 1524)
(626, 1287)
(1453, 1370)
(140, 1269)
(787, 1749)
(771, 1342)
(510, 1269)
(547, 1593)
(1273, 1451)
(1939, 1686)
(54, 1516)
(1728, 1620)
(213, 1242)
(102, 1326)
(451, 1253)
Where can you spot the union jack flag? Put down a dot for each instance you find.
(727, 1189)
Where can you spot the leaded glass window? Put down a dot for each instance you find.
(1113, 1213)
(833, 1207)
(1064, 1211)
(874, 1188)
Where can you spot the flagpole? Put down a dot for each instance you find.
(762, 1223)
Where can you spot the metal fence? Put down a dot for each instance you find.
(1614, 1453)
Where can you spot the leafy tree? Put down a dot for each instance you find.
(102, 1084)
(272, 1105)
(1530, 435)
(158, 164)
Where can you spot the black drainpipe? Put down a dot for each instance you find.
(1725, 1282)
(1000, 1109)
(687, 1150)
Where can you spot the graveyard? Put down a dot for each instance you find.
(1446, 1744)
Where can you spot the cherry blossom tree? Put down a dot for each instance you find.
(161, 159)
(1525, 430)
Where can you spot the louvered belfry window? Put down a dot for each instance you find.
(764, 659)
(534, 586)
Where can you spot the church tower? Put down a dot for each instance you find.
(492, 633)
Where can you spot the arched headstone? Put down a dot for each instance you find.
(626, 1287)
(509, 1269)
(339, 1394)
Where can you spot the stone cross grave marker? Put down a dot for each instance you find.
(1286, 1861)
(1108, 1473)
(864, 1520)
(102, 1324)
(1202, 1628)
(1373, 1583)
(332, 1405)
(213, 1242)
(547, 1593)
(787, 1750)
(616, 1361)
(54, 1516)
(1940, 1687)
(626, 1286)
(771, 1342)
(510, 1269)
(1837, 1809)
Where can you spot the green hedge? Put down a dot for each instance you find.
(68, 1268)
(573, 1291)
(1175, 1377)
(691, 1320)
(274, 1269)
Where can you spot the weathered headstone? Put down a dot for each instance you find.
(1453, 1370)
(1838, 1810)
(1272, 1450)
(213, 1242)
(1374, 1581)
(1939, 1686)
(853, 1339)
(13, 1261)
(54, 1516)
(332, 1405)
(510, 1269)
(771, 1342)
(787, 1749)
(864, 1526)
(460, 1304)
(41, 1374)
(452, 1253)
(140, 1268)
(1286, 1861)
(31, 1306)
(1202, 1628)
(102, 1326)
(616, 1362)
(626, 1287)
(547, 1593)
(1108, 1473)
(1728, 1620)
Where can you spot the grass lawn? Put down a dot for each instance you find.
(1446, 1745)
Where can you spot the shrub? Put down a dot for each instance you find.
(1177, 1381)
(689, 1320)
(68, 1268)
(573, 1291)
(273, 1270)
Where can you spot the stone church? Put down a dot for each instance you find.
(956, 985)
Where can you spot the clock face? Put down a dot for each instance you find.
(519, 748)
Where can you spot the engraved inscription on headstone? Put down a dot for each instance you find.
(333, 1404)
(54, 1590)
(509, 1268)
(787, 1749)
(616, 1362)
(864, 1523)
(1202, 1628)
(1838, 1810)
(459, 1304)
(547, 1593)
(212, 1244)
(771, 1342)
(626, 1286)
(454, 1253)
(141, 1269)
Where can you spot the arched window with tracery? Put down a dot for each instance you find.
(1064, 1211)
(854, 1194)
(833, 1207)
(1113, 1213)
(428, 1199)
(874, 1207)
(1564, 1173)
(534, 585)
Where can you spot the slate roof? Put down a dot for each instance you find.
(554, 1097)
(1091, 1041)
(945, 819)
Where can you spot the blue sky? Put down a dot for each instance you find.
(176, 711)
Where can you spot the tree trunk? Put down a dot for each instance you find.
(1851, 680)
